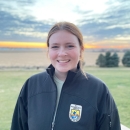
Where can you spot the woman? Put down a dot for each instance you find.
(63, 97)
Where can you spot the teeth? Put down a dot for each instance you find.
(63, 61)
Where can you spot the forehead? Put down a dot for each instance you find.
(63, 36)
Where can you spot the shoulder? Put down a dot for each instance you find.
(96, 82)
(93, 78)
(91, 87)
(98, 88)
(34, 84)
(101, 94)
(40, 76)
(91, 84)
(35, 79)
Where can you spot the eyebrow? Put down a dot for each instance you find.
(70, 43)
(59, 43)
(54, 43)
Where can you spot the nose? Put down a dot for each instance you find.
(62, 52)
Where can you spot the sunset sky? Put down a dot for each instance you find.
(103, 23)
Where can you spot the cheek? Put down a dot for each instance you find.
(75, 54)
(52, 55)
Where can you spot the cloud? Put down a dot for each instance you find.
(18, 3)
(20, 8)
(30, 20)
(114, 21)
(17, 23)
(25, 2)
(18, 29)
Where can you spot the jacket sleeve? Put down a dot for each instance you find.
(108, 117)
(20, 116)
(110, 121)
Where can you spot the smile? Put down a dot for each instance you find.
(63, 61)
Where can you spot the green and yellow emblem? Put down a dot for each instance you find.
(75, 112)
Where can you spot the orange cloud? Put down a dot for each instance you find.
(43, 45)
(22, 45)
(106, 46)
(89, 46)
(35, 45)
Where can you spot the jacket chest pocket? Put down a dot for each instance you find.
(75, 115)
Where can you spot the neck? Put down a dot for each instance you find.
(61, 75)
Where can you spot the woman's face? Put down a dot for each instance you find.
(64, 51)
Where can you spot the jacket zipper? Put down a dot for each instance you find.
(109, 122)
(57, 108)
(55, 114)
(60, 98)
(53, 123)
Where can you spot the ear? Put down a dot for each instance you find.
(81, 49)
(81, 52)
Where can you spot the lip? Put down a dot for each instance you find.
(63, 61)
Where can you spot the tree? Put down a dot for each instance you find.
(108, 59)
(101, 61)
(126, 59)
(115, 60)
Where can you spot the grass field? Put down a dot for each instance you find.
(117, 79)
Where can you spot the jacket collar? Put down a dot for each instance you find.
(50, 70)
(71, 74)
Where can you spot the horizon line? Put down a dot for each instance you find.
(11, 44)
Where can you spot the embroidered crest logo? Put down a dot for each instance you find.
(75, 112)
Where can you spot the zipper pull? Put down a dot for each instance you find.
(110, 123)
(52, 125)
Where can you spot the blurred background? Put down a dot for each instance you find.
(24, 25)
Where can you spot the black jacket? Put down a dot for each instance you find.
(94, 108)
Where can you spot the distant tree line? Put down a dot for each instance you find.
(109, 60)
(126, 59)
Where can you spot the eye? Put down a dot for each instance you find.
(70, 46)
(55, 47)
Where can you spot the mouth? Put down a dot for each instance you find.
(63, 61)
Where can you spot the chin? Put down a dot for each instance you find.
(63, 70)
